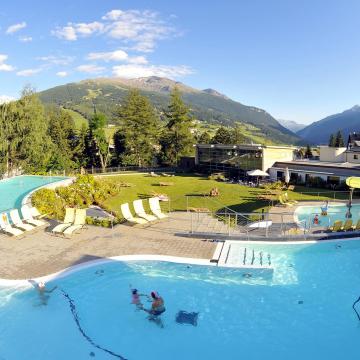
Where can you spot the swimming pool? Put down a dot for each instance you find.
(13, 191)
(305, 214)
(303, 312)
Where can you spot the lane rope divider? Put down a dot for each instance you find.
(83, 333)
(356, 312)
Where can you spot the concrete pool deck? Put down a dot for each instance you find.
(41, 253)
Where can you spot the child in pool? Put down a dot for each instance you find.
(135, 298)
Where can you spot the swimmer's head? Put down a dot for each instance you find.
(154, 295)
(41, 284)
(134, 291)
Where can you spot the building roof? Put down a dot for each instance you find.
(320, 167)
(245, 146)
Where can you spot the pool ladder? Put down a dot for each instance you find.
(255, 256)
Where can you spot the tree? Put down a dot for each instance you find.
(308, 152)
(24, 142)
(237, 135)
(136, 142)
(204, 138)
(339, 141)
(177, 139)
(332, 141)
(222, 136)
(97, 139)
(62, 133)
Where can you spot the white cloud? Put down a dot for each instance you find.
(57, 60)
(140, 60)
(117, 55)
(135, 71)
(62, 74)
(3, 65)
(72, 31)
(113, 15)
(90, 69)
(66, 33)
(25, 38)
(5, 99)
(16, 27)
(28, 72)
(139, 30)
(142, 28)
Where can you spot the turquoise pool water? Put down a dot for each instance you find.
(335, 212)
(303, 312)
(12, 191)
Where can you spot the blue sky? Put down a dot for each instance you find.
(297, 60)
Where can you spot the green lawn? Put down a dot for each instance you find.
(187, 190)
(79, 120)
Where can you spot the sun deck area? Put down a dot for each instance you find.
(40, 253)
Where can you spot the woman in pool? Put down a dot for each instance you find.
(157, 308)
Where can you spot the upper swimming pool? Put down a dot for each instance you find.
(13, 190)
(305, 214)
(303, 312)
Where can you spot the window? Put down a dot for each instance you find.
(355, 157)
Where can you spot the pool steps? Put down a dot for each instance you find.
(244, 257)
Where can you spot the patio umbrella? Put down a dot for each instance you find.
(287, 175)
(257, 173)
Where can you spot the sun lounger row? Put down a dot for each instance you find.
(74, 220)
(16, 225)
(141, 216)
(347, 226)
(284, 200)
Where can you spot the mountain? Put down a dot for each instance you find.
(291, 125)
(208, 106)
(319, 132)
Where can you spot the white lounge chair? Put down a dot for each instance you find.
(129, 217)
(140, 211)
(68, 221)
(156, 209)
(36, 213)
(15, 218)
(6, 227)
(27, 216)
(79, 222)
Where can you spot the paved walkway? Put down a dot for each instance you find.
(41, 253)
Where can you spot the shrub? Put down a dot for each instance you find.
(85, 191)
(104, 222)
(47, 202)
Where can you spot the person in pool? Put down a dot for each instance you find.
(324, 208)
(157, 308)
(42, 291)
(316, 220)
(135, 298)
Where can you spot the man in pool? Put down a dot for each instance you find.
(41, 288)
(324, 208)
(157, 308)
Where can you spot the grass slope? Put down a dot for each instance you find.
(237, 197)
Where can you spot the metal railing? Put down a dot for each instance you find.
(111, 170)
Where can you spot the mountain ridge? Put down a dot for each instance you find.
(207, 106)
(319, 131)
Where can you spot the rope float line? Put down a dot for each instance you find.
(357, 314)
(87, 337)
